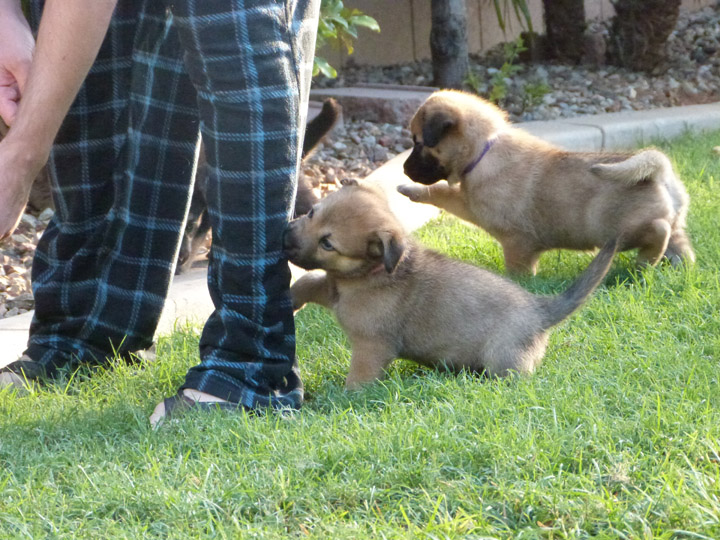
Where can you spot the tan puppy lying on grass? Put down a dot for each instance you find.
(394, 298)
(533, 196)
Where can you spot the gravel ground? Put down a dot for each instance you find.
(692, 75)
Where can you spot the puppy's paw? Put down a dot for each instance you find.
(413, 192)
(296, 297)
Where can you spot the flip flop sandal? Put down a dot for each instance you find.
(21, 372)
(180, 403)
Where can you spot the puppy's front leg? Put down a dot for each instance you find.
(520, 258)
(369, 359)
(442, 195)
(312, 287)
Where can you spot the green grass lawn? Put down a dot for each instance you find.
(617, 435)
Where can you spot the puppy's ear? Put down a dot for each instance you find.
(390, 246)
(349, 182)
(435, 127)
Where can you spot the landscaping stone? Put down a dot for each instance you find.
(380, 103)
(690, 76)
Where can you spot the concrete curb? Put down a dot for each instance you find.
(189, 300)
(615, 131)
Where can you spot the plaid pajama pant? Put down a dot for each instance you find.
(122, 170)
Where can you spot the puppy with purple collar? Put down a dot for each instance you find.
(532, 196)
(394, 298)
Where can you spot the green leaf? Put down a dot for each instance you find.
(322, 66)
(339, 25)
(498, 13)
(521, 6)
(522, 12)
(348, 42)
(366, 22)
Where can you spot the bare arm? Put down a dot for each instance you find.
(70, 35)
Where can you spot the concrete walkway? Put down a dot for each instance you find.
(189, 300)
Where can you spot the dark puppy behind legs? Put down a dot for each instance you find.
(394, 298)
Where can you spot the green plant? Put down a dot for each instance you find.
(499, 80)
(532, 93)
(339, 25)
(520, 7)
(473, 81)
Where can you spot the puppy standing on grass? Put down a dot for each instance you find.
(393, 298)
(532, 196)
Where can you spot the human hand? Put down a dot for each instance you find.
(18, 169)
(16, 51)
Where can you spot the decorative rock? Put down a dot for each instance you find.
(692, 75)
(29, 220)
(46, 215)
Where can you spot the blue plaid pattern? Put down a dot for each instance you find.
(239, 71)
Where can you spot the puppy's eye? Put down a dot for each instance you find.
(325, 244)
(311, 213)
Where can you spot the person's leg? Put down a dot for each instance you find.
(250, 61)
(121, 171)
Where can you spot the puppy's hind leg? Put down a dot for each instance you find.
(679, 248)
(442, 195)
(653, 242)
(515, 356)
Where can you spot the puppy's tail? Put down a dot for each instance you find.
(318, 127)
(646, 165)
(558, 308)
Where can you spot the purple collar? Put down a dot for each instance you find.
(488, 146)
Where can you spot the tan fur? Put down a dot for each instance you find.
(394, 298)
(533, 196)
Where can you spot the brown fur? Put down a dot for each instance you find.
(533, 196)
(394, 298)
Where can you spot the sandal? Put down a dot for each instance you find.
(180, 403)
(21, 373)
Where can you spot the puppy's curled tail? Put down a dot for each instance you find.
(645, 165)
(558, 308)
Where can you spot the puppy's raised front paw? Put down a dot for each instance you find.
(413, 192)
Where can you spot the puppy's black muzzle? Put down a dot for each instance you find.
(288, 241)
(423, 168)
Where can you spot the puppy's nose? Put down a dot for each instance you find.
(410, 167)
(286, 237)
